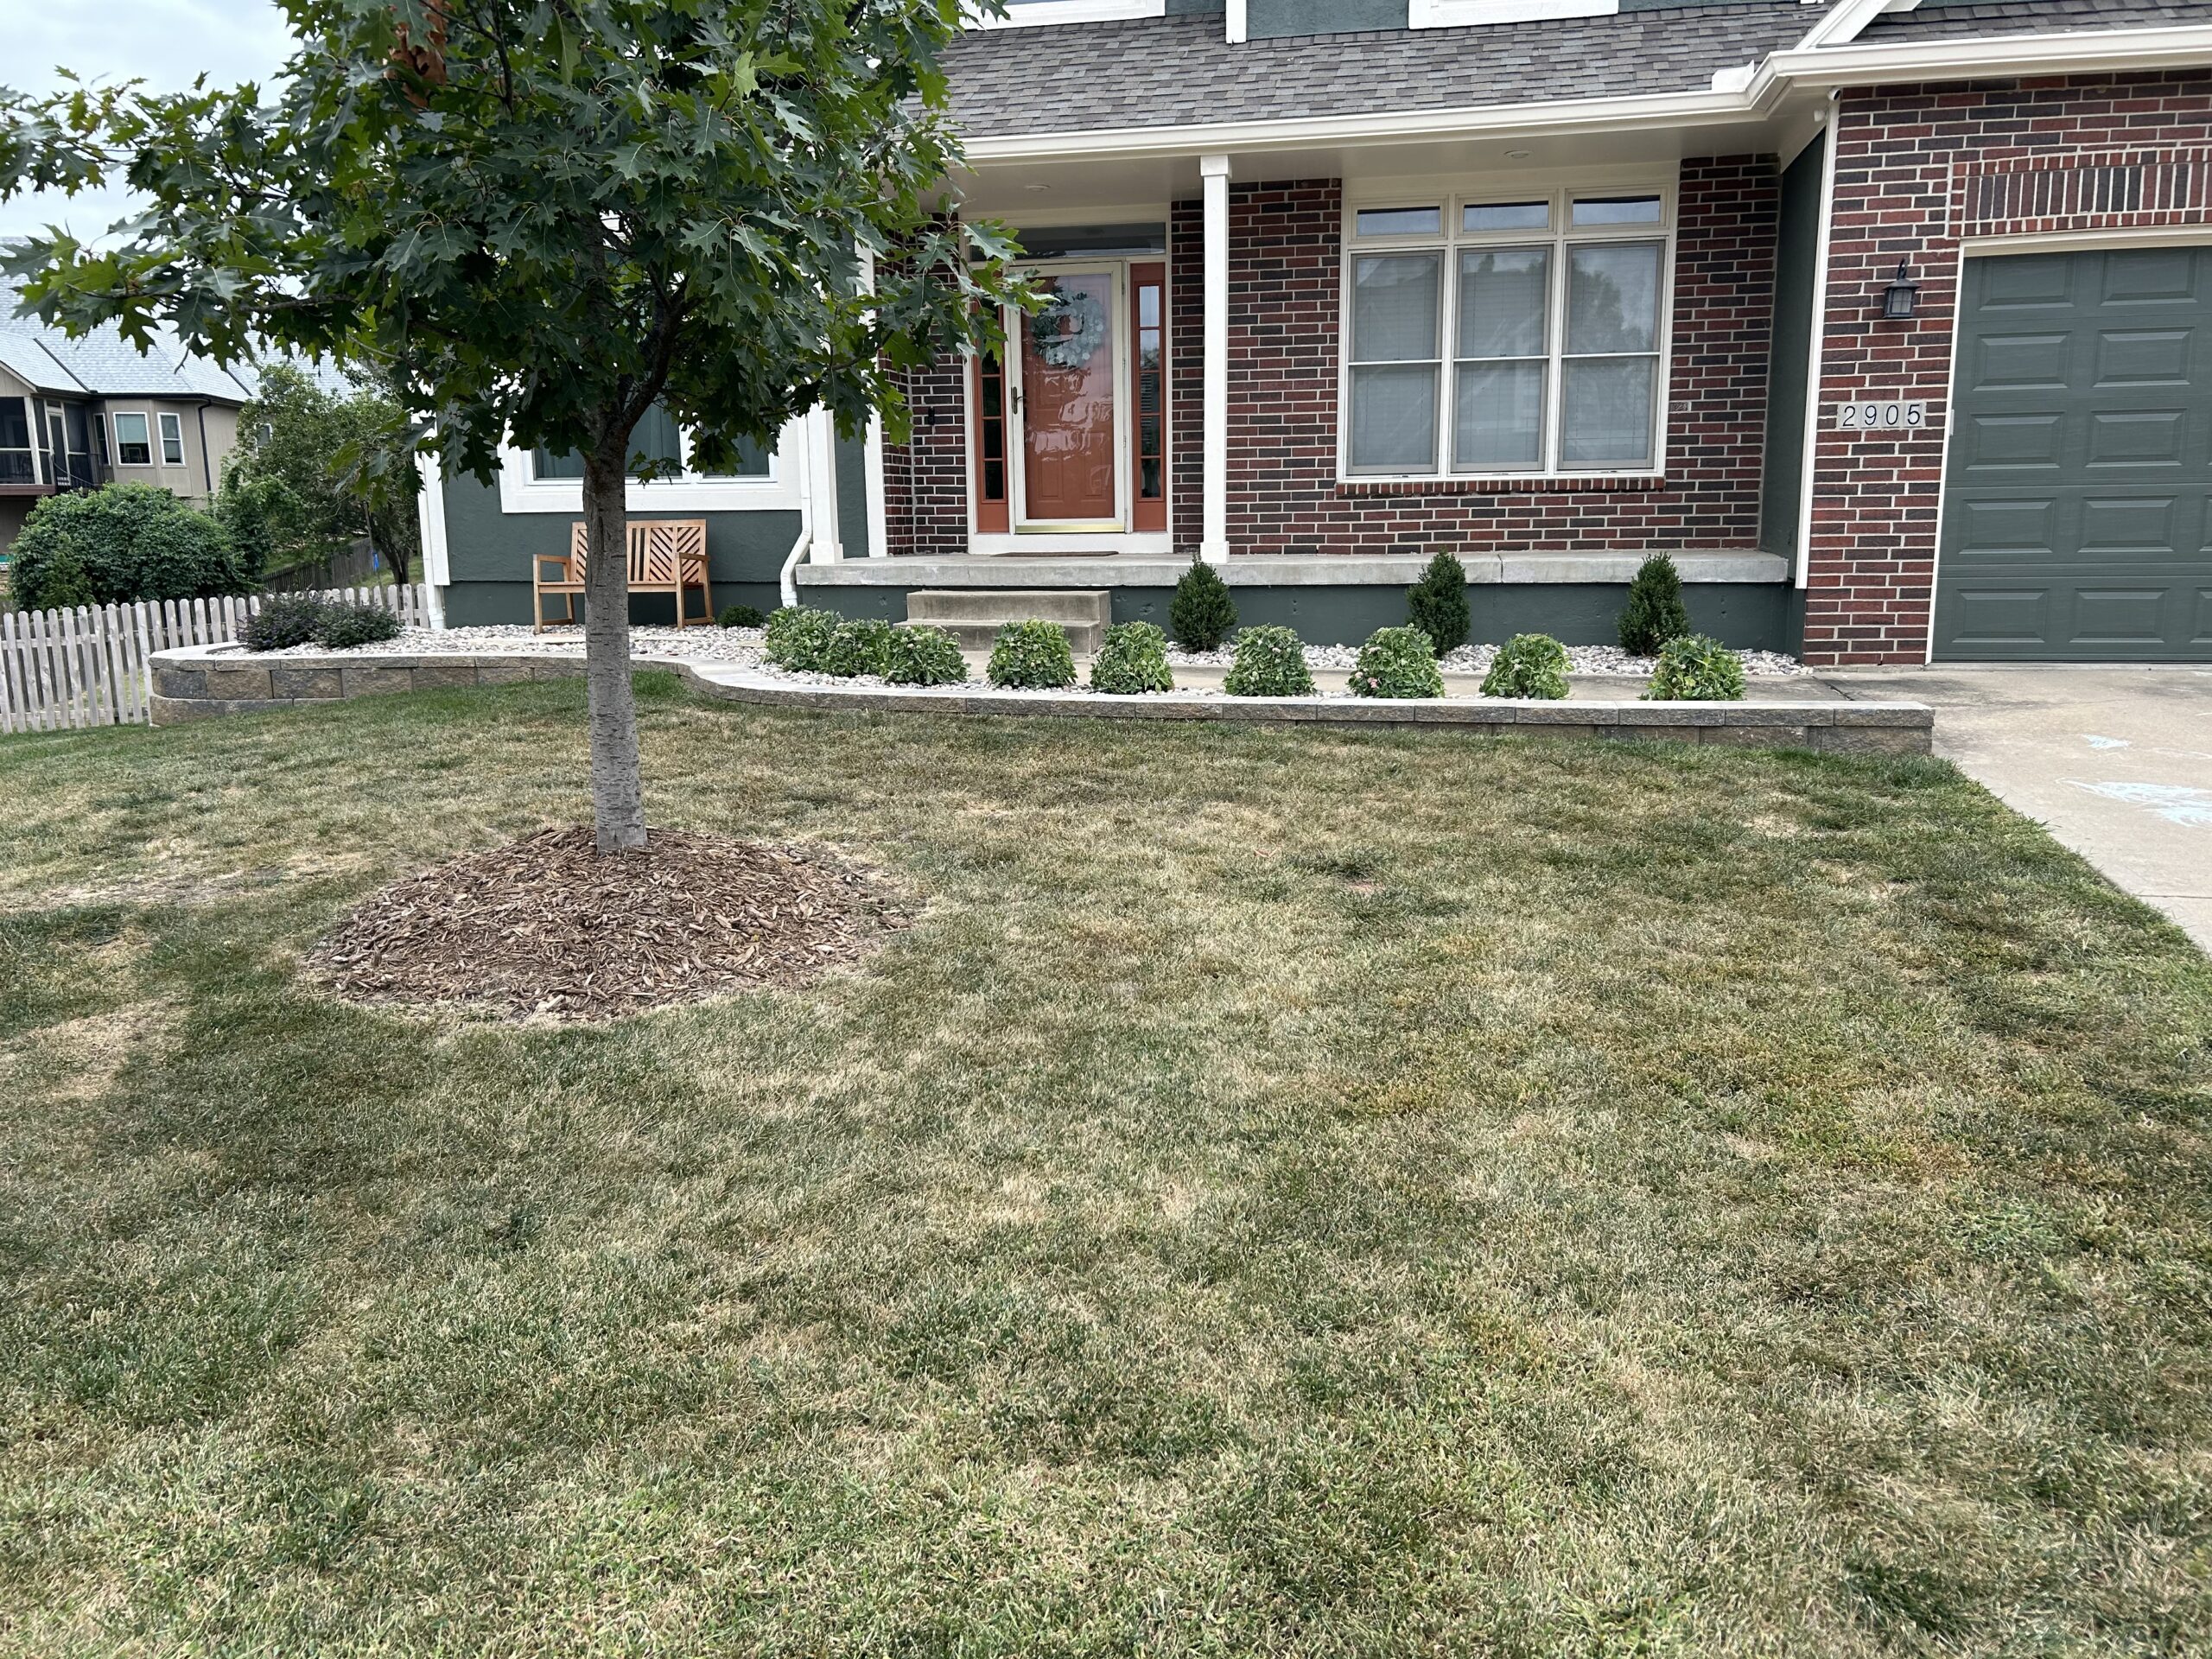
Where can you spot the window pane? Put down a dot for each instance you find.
(1400, 222)
(1506, 216)
(1393, 308)
(1617, 210)
(172, 440)
(751, 462)
(1498, 416)
(655, 440)
(1612, 298)
(1503, 295)
(15, 425)
(1608, 417)
(545, 466)
(130, 446)
(1394, 419)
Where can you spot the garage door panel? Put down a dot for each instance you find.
(2078, 517)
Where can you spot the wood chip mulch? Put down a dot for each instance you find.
(545, 926)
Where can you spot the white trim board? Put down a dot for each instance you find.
(778, 492)
(1032, 13)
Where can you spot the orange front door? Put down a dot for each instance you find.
(1067, 402)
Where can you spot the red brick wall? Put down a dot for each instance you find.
(926, 481)
(1285, 303)
(1915, 165)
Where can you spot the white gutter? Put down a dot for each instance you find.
(1817, 69)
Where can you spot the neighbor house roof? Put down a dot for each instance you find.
(1935, 19)
(1163, 72)
(104, 364)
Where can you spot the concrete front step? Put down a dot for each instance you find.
(945, 606)
(1084, 638)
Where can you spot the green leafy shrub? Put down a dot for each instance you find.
(123, 542)
(283, 621)
(1437, 603)
(798, 638)
(1132, 658)
(740, 616)
(861, 647)
(1031, 655)
(1201, 613)
(1396, 663)
(924, 656)
(345, 626)
(1527, 665)
(1654, 613)
(1696, 668)
(1270, 663)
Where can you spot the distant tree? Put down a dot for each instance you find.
(534, 219)
(304, 478)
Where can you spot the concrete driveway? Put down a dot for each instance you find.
(2116, 762)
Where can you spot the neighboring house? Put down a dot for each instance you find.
(76, 414)
(1891, 323)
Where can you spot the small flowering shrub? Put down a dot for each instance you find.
(1696, 668)
(345, 626)
(1397, 663)
(1270, 663)
(740, 616)
(1133, 659)
(798, 638)
(286, 621)
(924, 656)
(1032, 655)
(1527, 665)
(858, 648)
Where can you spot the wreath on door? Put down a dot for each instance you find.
(1068, 332)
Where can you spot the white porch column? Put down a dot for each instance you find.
(1213, 541)
(821, 487)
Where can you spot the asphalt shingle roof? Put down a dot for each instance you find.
(1161, 72)
(105, 365)
(1950, 21)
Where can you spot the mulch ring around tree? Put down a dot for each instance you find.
(544, 926)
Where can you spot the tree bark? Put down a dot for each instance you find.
(617, 805)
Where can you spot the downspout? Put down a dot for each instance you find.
(1817, 345)
(787, 584)
(206, 464)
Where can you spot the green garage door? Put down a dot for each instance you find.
(2075, 523)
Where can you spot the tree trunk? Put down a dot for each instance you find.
(617, 806)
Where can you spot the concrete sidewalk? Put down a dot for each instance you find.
(2116, 762)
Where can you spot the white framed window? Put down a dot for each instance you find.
(1027, 14)
(1452, 13)
(133, 445)
(535, 481)
(1507, 334)
(172, 439)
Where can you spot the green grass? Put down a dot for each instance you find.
(1293, 1192)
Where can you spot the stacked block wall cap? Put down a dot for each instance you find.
(201, 682)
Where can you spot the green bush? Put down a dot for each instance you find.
(858, 648)
(740, 616)
(1201, 613)
(1437, 603)
(283, 621)
(800, 638)
(1031, 655)
(924, 656)
(1132, 658)
(345, 625)
(1655, 613)
(123, 542)
(1696, 668)
(1527, 665)
(1396, 663)
(1270, 663)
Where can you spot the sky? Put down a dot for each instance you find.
(164, 42)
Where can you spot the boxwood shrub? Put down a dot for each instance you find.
(861, 647)
(1397, 663)
(1201, 613)
(1527, 665)
(1696, 668)
(798, 638)
(920, 655)
(283, 621)
(345, 626)
(1654, 613)
(1270, 663)
(1032, 655)
(740, 616)
(1132, 658)
(1437, 603)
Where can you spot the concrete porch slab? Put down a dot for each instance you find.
(1386, 570)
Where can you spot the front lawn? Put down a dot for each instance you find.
(1291, 1192)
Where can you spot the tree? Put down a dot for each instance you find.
(304, 479)
(534, 219)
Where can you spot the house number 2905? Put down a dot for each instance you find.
(1880, 415)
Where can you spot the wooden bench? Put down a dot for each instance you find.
(667, 555)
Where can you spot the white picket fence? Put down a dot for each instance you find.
(88, 666)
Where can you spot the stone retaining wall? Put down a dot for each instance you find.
(204, 681)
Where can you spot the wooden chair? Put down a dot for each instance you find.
(667, 555)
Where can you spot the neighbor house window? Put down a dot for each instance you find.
(172, 440)
(657, 441)
(1520, 336)
(132, 447)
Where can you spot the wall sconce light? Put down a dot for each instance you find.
(1898, 298)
